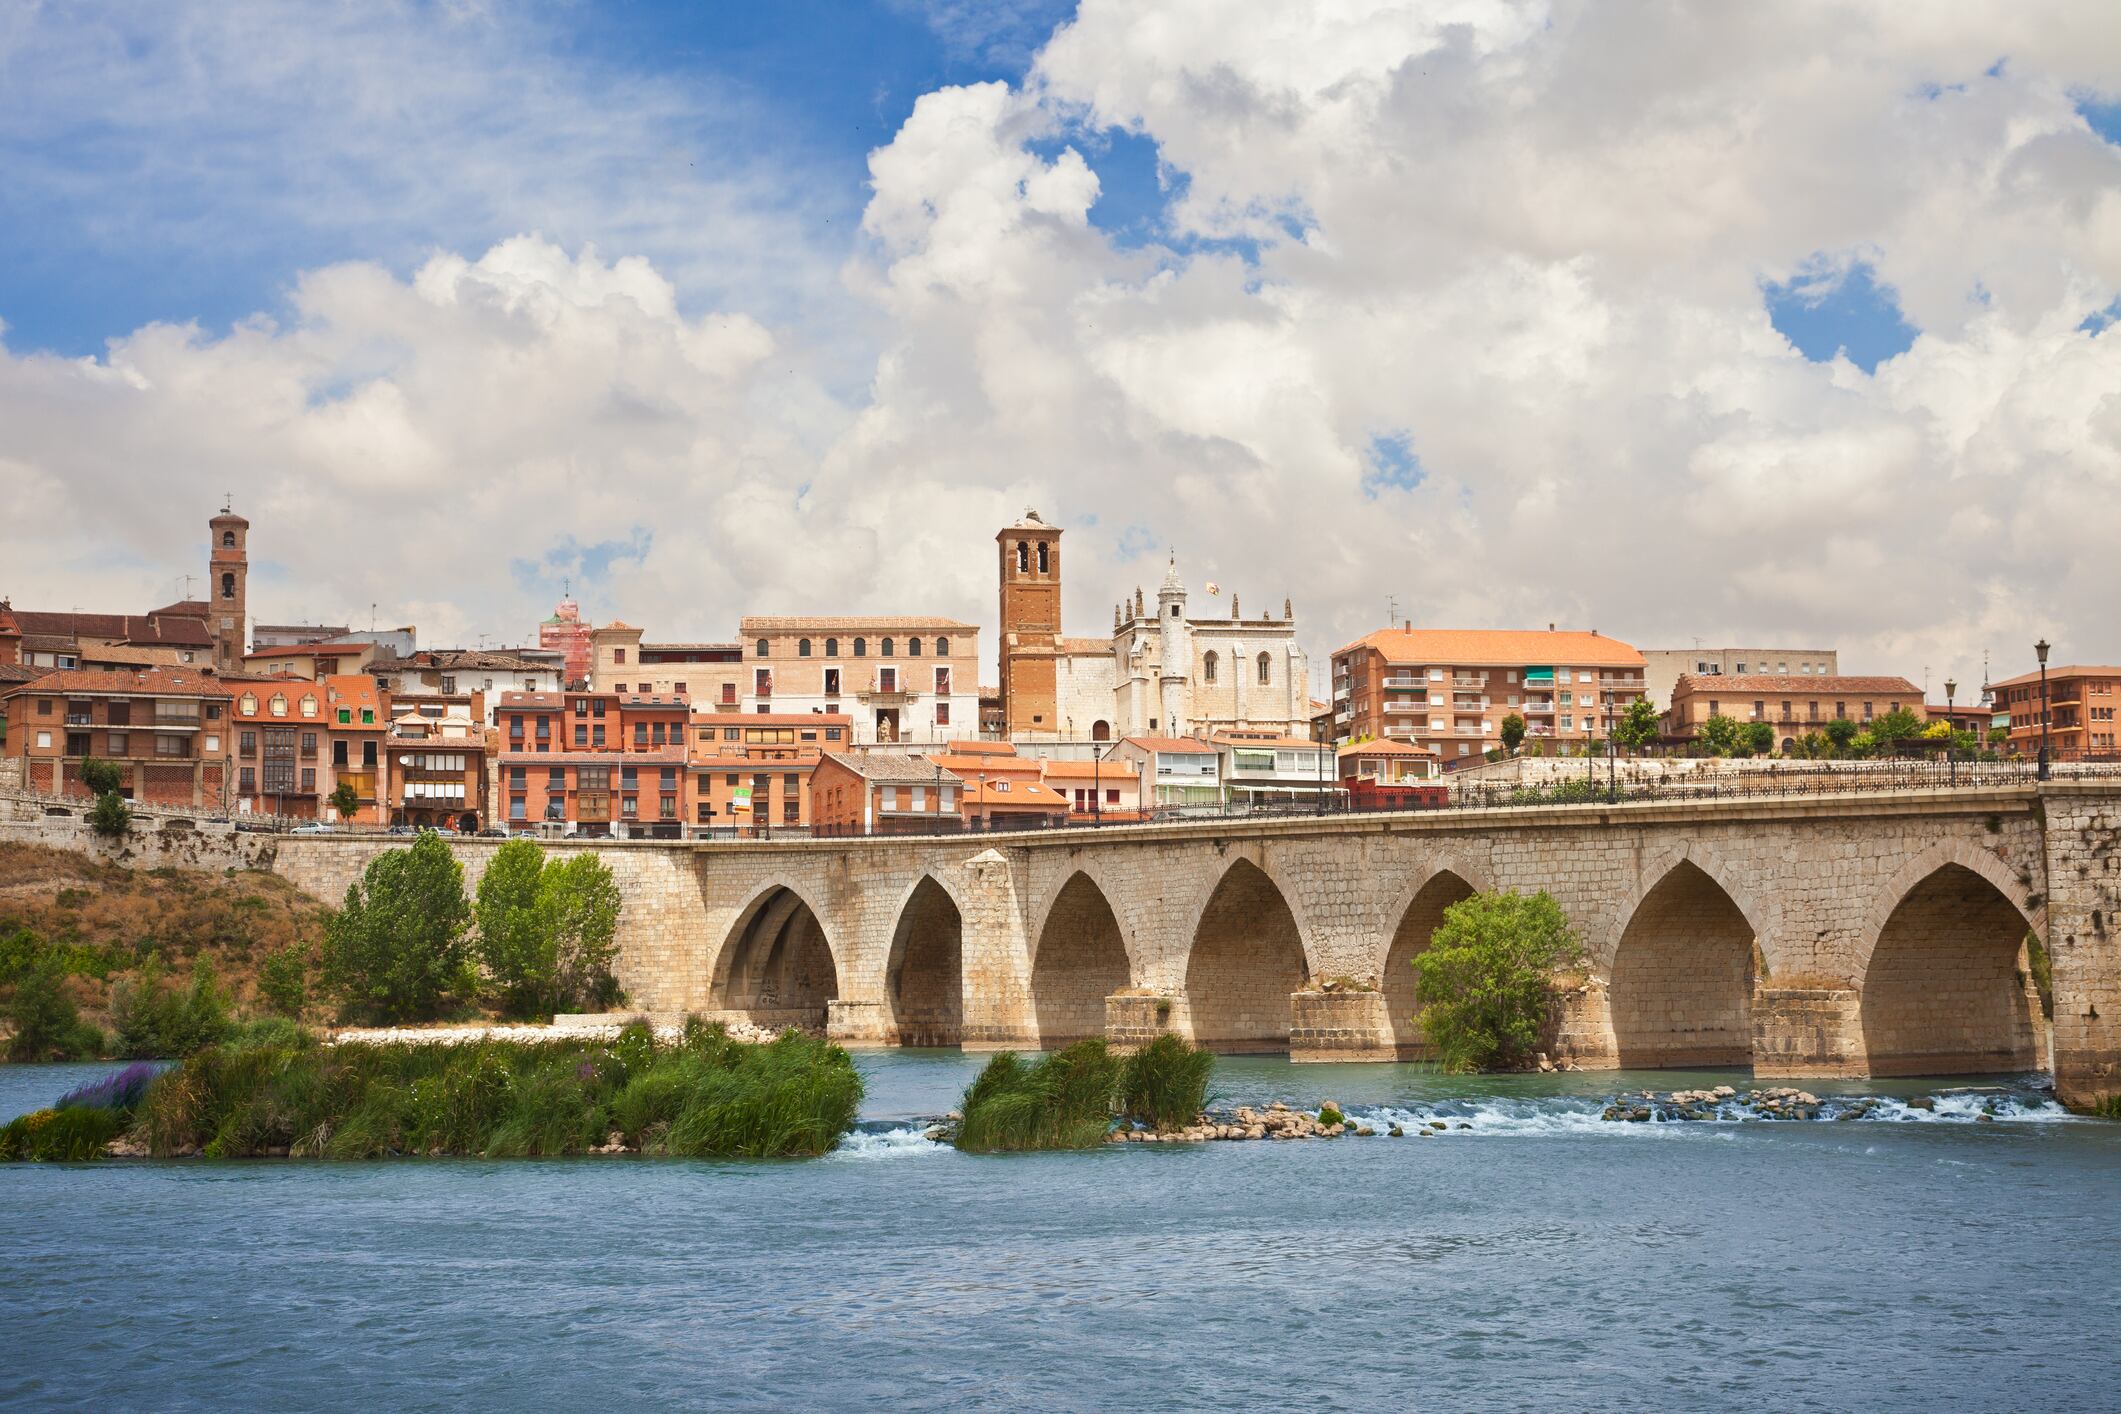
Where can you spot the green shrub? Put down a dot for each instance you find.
(109, 816)
(152, 1021)
(1330, 1116)
(792, 1098)
(1485, 983)
(60, 1136)
(1062, 1101)
(1165, 1084)
(101, 777)
(2042, 968)
(283, 981)
(397, 950)
(47, 1027)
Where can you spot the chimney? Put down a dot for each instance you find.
(1550, 628)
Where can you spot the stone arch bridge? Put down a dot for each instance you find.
(1861, 933)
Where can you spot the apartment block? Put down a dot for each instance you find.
(165, 729)
(901, 679)
(711, 675)
(754, 772)
(2081, 699)
(1449, 689)
(874, 793)
(1793, 705)
(1663, 667)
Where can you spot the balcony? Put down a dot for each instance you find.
(1465, 680)
(175, 715)
(1544, 706)
(1463, 730)
(79, 719)
(363, 783)
(879, 691)
(1421, 707)
(1405, 682)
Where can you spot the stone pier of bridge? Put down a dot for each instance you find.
(1865, 933)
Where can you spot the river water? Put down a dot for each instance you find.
(1542, 1257)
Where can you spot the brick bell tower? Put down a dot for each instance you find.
(228, 588)
(1030, 625)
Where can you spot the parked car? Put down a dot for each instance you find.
(314, 827)
(404, 830)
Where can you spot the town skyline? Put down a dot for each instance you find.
(704, 342)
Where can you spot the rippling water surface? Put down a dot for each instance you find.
(1542, 1257)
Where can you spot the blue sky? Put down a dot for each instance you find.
(169, 205)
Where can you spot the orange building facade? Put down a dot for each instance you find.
(2081, 704)
(166, 730)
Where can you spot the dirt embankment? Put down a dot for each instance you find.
(111, 918)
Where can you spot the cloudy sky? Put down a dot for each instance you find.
(1794, 324)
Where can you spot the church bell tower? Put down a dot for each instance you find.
(228, 589)
(1030, 626)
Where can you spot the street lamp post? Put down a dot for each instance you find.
(1951, 756)
(1097, 787)
(2040, 649)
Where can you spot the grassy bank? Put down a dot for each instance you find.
(702, 1096)
(1070, 1099)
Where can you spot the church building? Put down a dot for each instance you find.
(1160, 673)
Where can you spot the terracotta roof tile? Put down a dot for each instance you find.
(148, 682)
(1793, 683)
(914, 770)
(1170, 744)
(1500, 648)
(2065, 670)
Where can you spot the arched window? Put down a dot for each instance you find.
(761, 649)
(1023, 558)
(228, 586)
(228, 540)
(802, 648)
(1207, 667)
(1266, 668)
(1100, 730)
(1044, 566)
(942, 648)
(861, 648)
(913, 648)
(832, 648)
(887, 648)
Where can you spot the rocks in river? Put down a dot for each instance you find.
(614, 1143)
(1922, 1102)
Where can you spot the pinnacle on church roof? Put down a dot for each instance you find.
(1171, 580)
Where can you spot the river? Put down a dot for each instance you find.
(1542, 1257)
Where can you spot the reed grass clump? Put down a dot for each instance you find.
(274, 1091)
(61, 1136)
(1165, 1083)
(1060, 1101)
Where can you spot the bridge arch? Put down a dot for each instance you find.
(1946, 985)
(1247, 957)
(1418, 917)
(777, 958)
(1080, 956)
(924, 974)
(1681, 983)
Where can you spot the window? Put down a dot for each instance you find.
(117, 742)
(832, 682)
(861, 647)
(886, 650)
(596, 736)
(618, 657)
(309, 705)
(920, 797)
(278, 705)
(1023, 558)
(802, 648)
(946, 798)
(247, 780)
(228, 540)
(309, 744)
(889, 797)
(1207, 667)
(1266, 669)
(213, 744)
(1044, 564)
(762, 682)
(942, 648)
(760, 649)
(942, 714)
(309, 780)
(228, 585)
(942, 681)
(640, 733)
(913, 648)
(247, 705)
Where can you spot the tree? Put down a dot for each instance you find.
(1720, 735)
(396, 951)
(1999, 736)
(101, 777)
(1841, 734)
(1896, 725)
(1486, 981)
(1813, 745)
(1637, 726)
(1512, 732)
(346, 800)
(1759, 739)
(150, 1020)
(109, 816)
(515, 940)
(283, 981)
(46, 1026)
(581, 906)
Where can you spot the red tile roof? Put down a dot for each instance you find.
(2064, 670)
(144, 682)
(1499, 648)
(1793, 683)
(1170, 744)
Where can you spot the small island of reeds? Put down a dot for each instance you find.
(1072, 1098)
(282, 1094)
